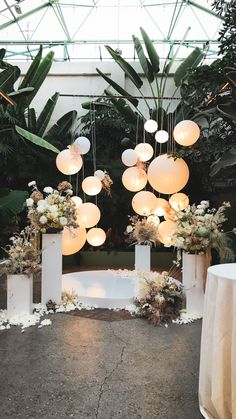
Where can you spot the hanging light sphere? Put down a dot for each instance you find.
(82, 144)
(161, 136)
(77, 201)
(88, 215)
(134, 179)
(154, 219)
(179, 201)
(73, 239)
(100, 174)
(69, 162)
(96, 236)
(168, 175)
(161, 206)
(91, 185)
(144, 151)
(150, 125)
(186, 133)
(129, 157)
(165, 231)
(144, 203)
(170, 214)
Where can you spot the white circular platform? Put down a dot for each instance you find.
(103, 289)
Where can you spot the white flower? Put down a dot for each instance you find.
(53, 208)
(48, 189)
(69, 192)
(32, 183)
(199, 211)
(43, 219)
(46, 322)
(129, 229)
(63, 221)
(205, 203)
(29, 202)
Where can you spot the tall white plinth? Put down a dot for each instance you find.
(51, 267)
(19, 295)
(142, 258)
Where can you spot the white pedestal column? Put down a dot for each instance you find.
(194, 271)
(19, 295)
(142, 258)
(51, 267)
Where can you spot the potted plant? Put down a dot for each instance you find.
(23, 260)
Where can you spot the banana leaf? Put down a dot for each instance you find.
(189, 63)
(228, 159)
(26, 91)
(8, 78)
(32, 69)
(32, 120)
(228, 110)
(36, 139)
(12, 203)
(118, 88)
(45, 115)
(126, 67)
(101, 105)
(62, 126)
(151, 50)
(122, 107)
(2, 53)
(145, 64)
(232, 77)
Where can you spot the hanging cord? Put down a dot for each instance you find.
(137, 126)
(94, 149)
(144, 135)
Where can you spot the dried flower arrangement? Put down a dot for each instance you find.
(141, 231)
(160, 297)
(106, 183)
(52, 210)
(23, 257)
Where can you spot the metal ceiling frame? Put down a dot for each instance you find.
(70, 39)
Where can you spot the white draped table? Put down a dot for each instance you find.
(217, 381)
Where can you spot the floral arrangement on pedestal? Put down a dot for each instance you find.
(23, 257)
(159, 298)
(199, 228)
(141, 231)
(53, 209)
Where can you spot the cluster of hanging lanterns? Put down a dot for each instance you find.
(166, 174)
(69, 162)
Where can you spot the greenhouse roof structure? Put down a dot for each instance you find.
(80, 29)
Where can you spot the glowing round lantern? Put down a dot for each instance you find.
(134, 179)
(100, 174)
(73, 239)
(179, 201)
(170, 214)
(96, 236)
(88, 215)
(165, 231)
(82, 144)
(144, 203)
(69, 162)
(129, 157)
(154, 219)
(161, 206)
(168, 175)
(161, 136)
(144, 151)
(186, 133)
(150, 125)
(77, 200)
(91, 185)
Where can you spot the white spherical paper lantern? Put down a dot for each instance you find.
(161, 136)
(161, 206)
(144, 203)
(168, 175)
(69, 162)
(96, 236)
(77, 201)
(179, 201)
(165, 231)
(186, 133)
(134, 179)
(144, 151)
(88, 215)
(150, 125)
(82, 144)
(154, 219)
(92, 185)
(73, 239)
(129, 157)
(171, 214)
(100, 174)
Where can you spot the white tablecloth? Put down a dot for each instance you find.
(217, 381)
